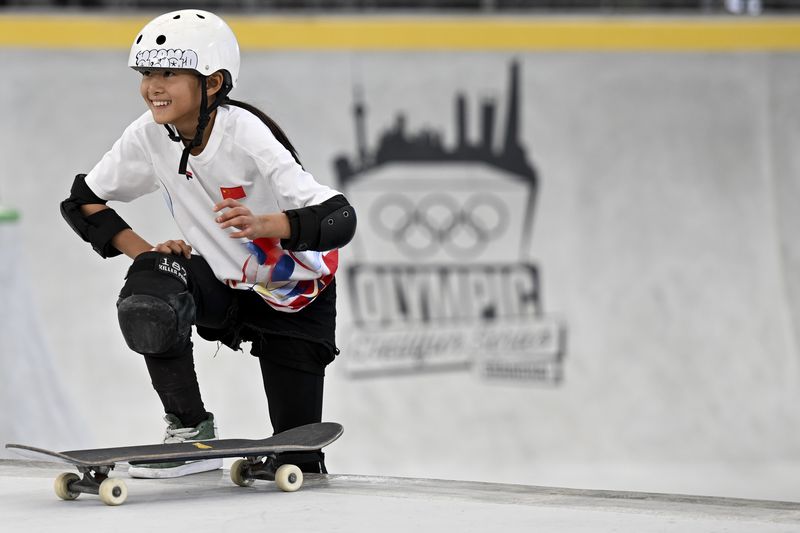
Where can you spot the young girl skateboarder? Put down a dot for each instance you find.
(259, 252)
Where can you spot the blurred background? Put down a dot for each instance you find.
(576, 265)
(655, 7)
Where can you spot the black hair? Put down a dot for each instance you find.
(270, 123)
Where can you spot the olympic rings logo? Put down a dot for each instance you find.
(438, 222)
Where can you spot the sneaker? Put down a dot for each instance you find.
(177, 433)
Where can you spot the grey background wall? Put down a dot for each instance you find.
(663, 234)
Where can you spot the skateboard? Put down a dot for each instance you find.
(259, 460)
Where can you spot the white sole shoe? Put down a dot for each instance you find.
(193, 467)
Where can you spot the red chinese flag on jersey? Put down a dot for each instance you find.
(236, 193)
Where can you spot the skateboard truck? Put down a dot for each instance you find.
(245, 471)
(95, 480)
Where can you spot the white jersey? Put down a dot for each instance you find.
(242, 160)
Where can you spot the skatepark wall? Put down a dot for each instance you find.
(36, 399)
(570, 256)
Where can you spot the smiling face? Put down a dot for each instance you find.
(173, 97)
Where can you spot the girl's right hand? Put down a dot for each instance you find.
(177, 247)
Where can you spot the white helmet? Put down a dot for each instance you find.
(190, 39)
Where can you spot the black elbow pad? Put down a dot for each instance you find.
(322, 227)
(97, 229)
(337, 228)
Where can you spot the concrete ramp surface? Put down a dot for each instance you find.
(210, 502)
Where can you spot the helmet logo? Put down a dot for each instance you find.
(160, 57)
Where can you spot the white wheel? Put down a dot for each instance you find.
(62, 486)
(237, 473)
(288, 478)
(113, 491)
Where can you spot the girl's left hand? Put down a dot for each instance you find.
(249, 225)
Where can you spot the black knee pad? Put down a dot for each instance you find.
(155, 309)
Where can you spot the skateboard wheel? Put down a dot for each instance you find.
(113, 491)
(62, 484)
(238, 470)
(289, 478)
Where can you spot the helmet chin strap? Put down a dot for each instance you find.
(202, 121)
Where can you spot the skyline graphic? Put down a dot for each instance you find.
(396, 143)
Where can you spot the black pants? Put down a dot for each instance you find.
(292, 367)
(294, 396)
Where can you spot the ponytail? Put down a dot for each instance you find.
(271, 124)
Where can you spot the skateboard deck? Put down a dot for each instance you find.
(259, 463)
